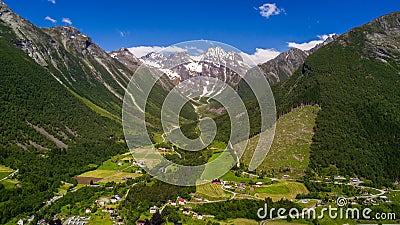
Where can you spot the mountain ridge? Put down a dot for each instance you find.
(286, 63)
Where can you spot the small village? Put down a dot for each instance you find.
(249, 188)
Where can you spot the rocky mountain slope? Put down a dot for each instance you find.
(74, 60)
(124, 56)
(286, 63)
(215, 62)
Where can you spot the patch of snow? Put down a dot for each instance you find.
(151, 63)
(171, 74)
(194, 67)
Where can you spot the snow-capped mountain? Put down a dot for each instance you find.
(215, 62)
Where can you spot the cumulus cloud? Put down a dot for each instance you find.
(259, 56)
(140, 51)
(270, 9)
(67, 21)
(50, 19)
(52, 1)
(311, 44)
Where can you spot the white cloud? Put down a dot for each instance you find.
(124, 33)
(259, 56)
(67, 21)
(270, 9)
(52, 1)
(50, 19)
(140, 51)
(311, 44)
(194, 50)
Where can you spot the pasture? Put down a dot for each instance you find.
(211, 191)
(281, 190)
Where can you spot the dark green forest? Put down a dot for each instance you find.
(358, 127)
(29, 94)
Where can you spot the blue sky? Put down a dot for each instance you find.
(240, 23)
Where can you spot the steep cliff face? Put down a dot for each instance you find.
(286, 63)
(124, 56)
(74, 60)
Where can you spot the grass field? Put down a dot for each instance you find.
(211, 191)
(103, 219)
(281, 190)
(110, 165)
(216, 154)
(4, 174)
(290, 150)
(98, 173)
(157, 137)
(118, 177)
(230, 176)
(4, 171)
(217, 167)
(109, 175)
(9, 184)
(274, 189)
(115, 169)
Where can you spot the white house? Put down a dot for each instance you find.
(113, 200)
(182, 201)
(21, 221)
(227, 186)
(153, 209)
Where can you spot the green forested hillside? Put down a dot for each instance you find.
(356, 82)
(30, 95)
(58, 118)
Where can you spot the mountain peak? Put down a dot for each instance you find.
(69, 29)
(124, 56)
